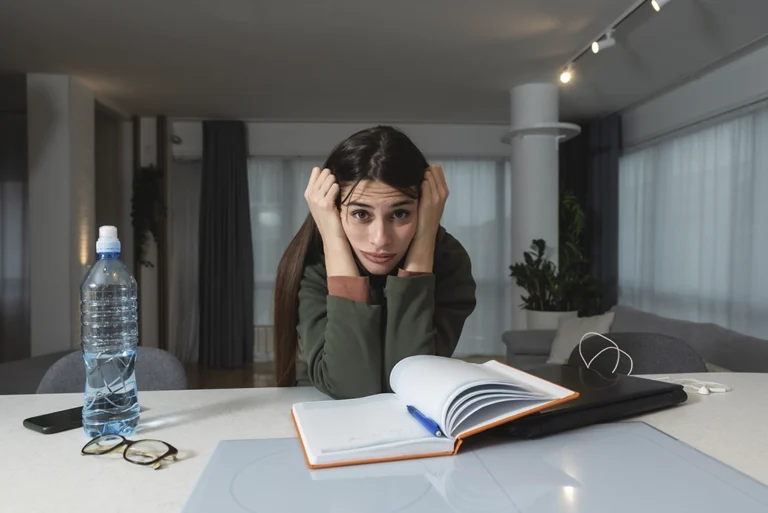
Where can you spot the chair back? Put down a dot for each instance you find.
(652, 353)
(156, 369)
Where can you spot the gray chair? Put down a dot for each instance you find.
(652, 353)
(156, 369)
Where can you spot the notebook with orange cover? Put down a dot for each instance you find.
(462, 398)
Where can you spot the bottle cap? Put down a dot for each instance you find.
(108, 241)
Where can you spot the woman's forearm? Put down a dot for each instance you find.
(338, 258)
(421, 256)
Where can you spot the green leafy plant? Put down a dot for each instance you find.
(568, 286)
(147, 209)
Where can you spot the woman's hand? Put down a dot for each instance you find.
(434, 193)
(321, 194)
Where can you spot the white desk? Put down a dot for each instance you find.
(47, 473)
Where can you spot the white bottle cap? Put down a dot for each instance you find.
(108, 241)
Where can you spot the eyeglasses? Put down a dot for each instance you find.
(141, 452)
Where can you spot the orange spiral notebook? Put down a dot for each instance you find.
(461, 398)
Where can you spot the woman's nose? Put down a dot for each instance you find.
(380, 237)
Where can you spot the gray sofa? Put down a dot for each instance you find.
(721, 348)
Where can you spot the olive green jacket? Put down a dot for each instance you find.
(349, 343)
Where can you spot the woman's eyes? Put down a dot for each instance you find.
(364, 215)
(401, 214)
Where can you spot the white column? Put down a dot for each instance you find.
(534, 134)
(62, 232)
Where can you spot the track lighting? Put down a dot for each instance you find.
(607, 42)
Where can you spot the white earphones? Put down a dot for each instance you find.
(702, 387)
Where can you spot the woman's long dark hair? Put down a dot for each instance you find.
(380, 153)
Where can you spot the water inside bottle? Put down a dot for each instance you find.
(111, 402)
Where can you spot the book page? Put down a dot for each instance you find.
(479, 392)
(335, 430)
(431, 382)
(496, 411)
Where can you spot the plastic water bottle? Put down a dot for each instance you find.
(109, 340)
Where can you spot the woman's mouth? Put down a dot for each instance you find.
(379, 258)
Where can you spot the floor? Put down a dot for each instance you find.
(253, 375)
(257, 375)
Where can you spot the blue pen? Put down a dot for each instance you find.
(425, 421)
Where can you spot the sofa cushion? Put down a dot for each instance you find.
(629, 319)
(733, 350)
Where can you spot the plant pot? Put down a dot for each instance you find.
(538, 320)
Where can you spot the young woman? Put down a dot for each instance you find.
(371, 277)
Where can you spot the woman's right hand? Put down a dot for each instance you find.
(321, 194)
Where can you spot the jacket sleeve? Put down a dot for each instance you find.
(341, 339)
(426, 313)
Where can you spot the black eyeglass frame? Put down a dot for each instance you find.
(125, 444)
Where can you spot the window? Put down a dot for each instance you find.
(478, 215)
(692, 241)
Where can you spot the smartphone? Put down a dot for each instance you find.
(56, 422)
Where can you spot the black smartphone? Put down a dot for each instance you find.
(56, 422)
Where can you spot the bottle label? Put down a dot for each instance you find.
(111, 246)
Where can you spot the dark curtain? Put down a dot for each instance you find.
(14, 237)
(226, 253)
(589, 167)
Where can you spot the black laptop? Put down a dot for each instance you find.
(603, 397)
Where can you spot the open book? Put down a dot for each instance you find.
(461, 398)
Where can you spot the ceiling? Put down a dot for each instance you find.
(656, 51)
(359, 60)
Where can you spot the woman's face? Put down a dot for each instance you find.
(380, 222)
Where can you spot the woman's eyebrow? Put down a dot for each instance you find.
(400, 203)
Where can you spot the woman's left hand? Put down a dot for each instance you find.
(434, 194)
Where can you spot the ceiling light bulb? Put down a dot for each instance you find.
(566, 76)
(607, 42)
(658, 4)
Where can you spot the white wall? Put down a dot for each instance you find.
(61, 208)
(318, 139)
(734, 85)
(82, 187)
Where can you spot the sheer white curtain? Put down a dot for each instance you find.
(478, 214)
(692, 226)
(184, 234)
(276, 190)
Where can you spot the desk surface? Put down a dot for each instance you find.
(47, 472)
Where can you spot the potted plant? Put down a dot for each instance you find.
(147, 209)
(553, 292)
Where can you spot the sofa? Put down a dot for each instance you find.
(722, 349)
